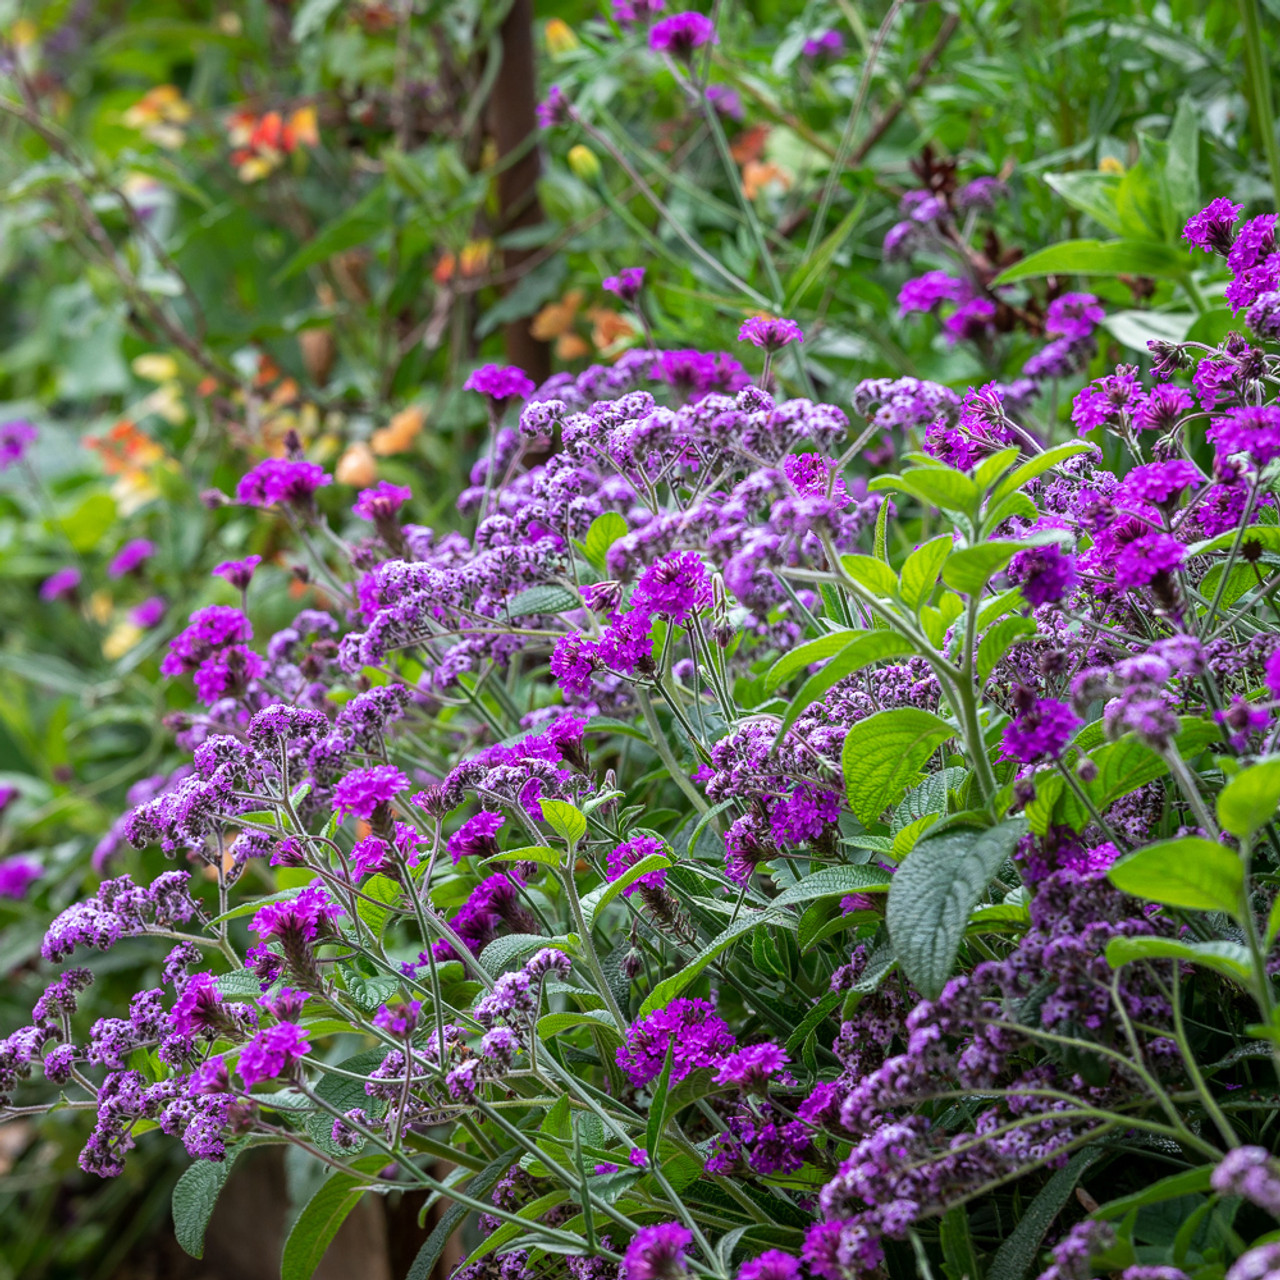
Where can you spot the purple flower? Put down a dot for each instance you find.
(1212, 229)
(1142, 560)
(554, 110)
(750, 1069)
(476, 838)
(301, 917)
(281, 482)
(699, 1036)
(1040, 730)
(657, 1252)
(1159, 483)
(1074, 316)
(62, 583)
(1253, 430)
(638, 1157)
(725, 100)
(925, 292)
(627, 855)
(363, 790)
(1273, 674)
(398, 1019)
(196, 1008)
(16, 876)
(239, 573)
(1045, 574)
(1162, 408)
(272, 1053)
(675, 587)
(769, 333)
(981, 193)
(829, 44)
(150, 613)
(15, 439)
(971, 321)
(1104, 401)
(8, 794)
(680, 35)
(773, 1264)
(383, 502)
(500, 383)
(626, 284)
(1260, 1263)
(130, 557)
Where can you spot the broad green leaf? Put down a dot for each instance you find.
(554, 1024)
(358, 224)
(1100, 258)
(386, 891)
(1228, 958)
(595, 902)
(828, 882)
(935, 619)
(933, 892)
(513, 949)
(921, 568)
(546, 599)
(1190, 1182)
(942, 487)
(1265, 537)
(318, 1223)
(1092, 192)
(667, 990)
(1017, 1254)
(1249, 801)
(872, 573)
(970, 570)
(998, 641)
(867, 647)
(539, 853)
(605, 530)
(1189, 872)
(565, 819)
(1037, 466)
(991, 468)
(882, 755)
(194, 1196)
(803, 655)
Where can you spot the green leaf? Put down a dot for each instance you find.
(1188, 1183)
(959, 1260)
(1037, 466)
(828, 882)
(194, 1196)
(1092, 192)
(1265, 537)
(933, 892)
(595, 902)
(667, 990)
(539, 853)
(386, 891)
(921, 568)
(1099, 258)
(1190, 872)
(658, 1104)
(88, 525)
(880, 543)
(1231, 959)
(806, 654)
(565, 819)
(991, 468)
(513, 948)
(311, 17)
(882, 755)
(605, 530)
(554, 1024)
(1248, 802)
(942, 487)
(998, 641)
(971, 569)
(483, 1182)
(319, 1221)
(545, 599)
(866, 647)
(814, 1019)
(1016, 1256)
(360, 223)
(872, 573)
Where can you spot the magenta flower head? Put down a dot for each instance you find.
(282, 482)
(681, 33)
(239, 573)
(8, 795)
(398, 1019)
(726, 101)
(382, 503)
(15, 439)
(830, 44)
(500, 383)
(626, 284)
(657, 1252)
(62, 583)
(769, 333)
(1213, 228)
(1073, 315)
(555, 109)
(1040, 730)
(17, 875)
(272, 1053)
(130, 557)
(477, 837)
(362, 791)
(1045, 574)
(773, 1264)
(150, 613)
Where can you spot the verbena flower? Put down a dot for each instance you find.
(131, 556)
(658, 1252)
(500, 383)
(680, 35)
(771, 334)
(16, 438)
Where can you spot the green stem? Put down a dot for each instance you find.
(1259, 88)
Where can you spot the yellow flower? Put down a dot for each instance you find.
(120, 639)
(155, 367)
(560, 38)
(582, 160)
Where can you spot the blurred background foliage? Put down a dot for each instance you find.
(222, 223)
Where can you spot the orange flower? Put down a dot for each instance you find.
(757, 175)
(609, 328)
(557, 318)
(400, 433)
(749, 144)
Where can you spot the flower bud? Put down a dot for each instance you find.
(583, 162)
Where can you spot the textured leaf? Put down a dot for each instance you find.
(830, 881)
(546, 599)
(882, 755)
(1191, 872)
(933, 892)
(921, 568)
(512, 950)
(194, 1196)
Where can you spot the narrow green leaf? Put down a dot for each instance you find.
(806, 654)
(595, 902)
(318, 1223)
(658, 1105)
(1100, 258)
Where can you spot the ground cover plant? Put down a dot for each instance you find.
(803, 804)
